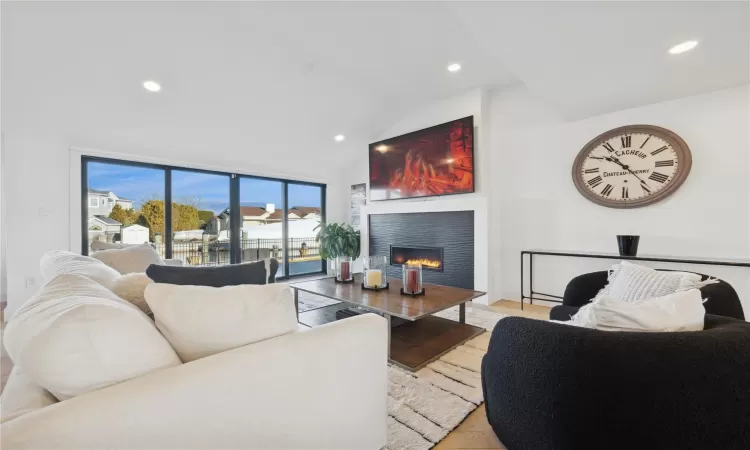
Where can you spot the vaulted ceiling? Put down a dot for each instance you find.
(289, 76)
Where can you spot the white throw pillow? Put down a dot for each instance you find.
(132, 287)
(76, 336)
(132, 259)
(60, 262)
(681, 311)
(630, 282)
(199, 320)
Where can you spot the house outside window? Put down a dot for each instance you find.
(93, 201)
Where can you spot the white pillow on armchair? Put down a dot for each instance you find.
(632, 283)
(680, 311)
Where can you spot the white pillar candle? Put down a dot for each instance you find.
(373, 278)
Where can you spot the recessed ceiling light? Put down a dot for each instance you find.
(455, 67)
(683, 47)
(339, 138)
(152, 86)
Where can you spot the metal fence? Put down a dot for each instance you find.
(216, 253)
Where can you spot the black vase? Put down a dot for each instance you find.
(628, 245)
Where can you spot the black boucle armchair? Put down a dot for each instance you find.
(721, 298)
(559, 387)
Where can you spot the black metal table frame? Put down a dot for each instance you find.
(558, 299)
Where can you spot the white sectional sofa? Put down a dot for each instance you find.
(318, 388)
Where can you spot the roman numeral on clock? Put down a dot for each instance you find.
(625, 141)
(624, 192)
(594, 182)
(607, 190)
(608, 146)
(596, 170)
(644, 142)
(658, 150)
(666, 163)
(660, 177)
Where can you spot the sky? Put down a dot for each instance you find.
(211, 192)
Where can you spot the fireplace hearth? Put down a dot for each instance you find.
(430, 258)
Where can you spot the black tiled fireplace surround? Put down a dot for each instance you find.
(453, 231)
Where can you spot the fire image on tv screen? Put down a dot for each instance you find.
(435, 161)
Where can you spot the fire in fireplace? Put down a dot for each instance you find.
(431, 258)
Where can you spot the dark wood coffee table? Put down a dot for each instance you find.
(423, 337)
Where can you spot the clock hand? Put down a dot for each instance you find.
(617, 161)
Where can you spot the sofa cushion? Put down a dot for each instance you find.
(76, 336)
(199, 321)
(681, 311)
(60, 262)
(21, 396)
(132, 259)
(97, 245)
(132, 287)
(632, 282)
(219, 276)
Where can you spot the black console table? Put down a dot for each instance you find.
(558, 299)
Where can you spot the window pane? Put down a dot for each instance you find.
(304, 215)
(136, 213)
(261, 210)
(200, 218)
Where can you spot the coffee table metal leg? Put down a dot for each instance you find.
(296, 302)
(388, 318)
(462, 313)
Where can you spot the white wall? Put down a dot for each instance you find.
(3, 216)
(470, 103)
(534, 204)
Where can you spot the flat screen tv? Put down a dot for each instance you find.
(435, 161)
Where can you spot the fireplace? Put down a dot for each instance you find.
(431, 258)
(449, 232)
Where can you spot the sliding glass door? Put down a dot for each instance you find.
(304, 215)
(202, 217)
(262, 220)
(124, 203)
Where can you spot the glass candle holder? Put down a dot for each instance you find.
(412, 278)
(343, 269)
(375, 272)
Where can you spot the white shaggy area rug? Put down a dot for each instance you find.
(424, 406)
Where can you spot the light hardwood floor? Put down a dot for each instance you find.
(475, 432)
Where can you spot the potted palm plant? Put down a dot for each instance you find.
(339, 244)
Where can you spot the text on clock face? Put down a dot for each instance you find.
(634, 165)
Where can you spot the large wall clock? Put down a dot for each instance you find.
(632, 166)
